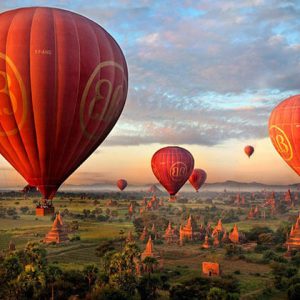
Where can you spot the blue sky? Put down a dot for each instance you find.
(202, 73)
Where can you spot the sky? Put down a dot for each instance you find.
(204, 75)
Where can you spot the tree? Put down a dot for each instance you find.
(216, 294)
(150, 263)
(53, 274)
(294, 292)
(147, 287)
(90, 272)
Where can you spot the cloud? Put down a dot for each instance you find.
(200, 72)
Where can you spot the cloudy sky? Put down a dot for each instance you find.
(204, 75)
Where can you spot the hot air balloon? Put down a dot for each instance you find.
(172, 166)
(63, 86)
(284, 131)
(197, 178)
(249, 150)
(121, 183)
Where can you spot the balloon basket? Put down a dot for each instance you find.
(44, 211)
(172, 199)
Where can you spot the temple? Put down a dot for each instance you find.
(218, 229)
(293, 239)
(188, 231)
(206, 245)
(151, 252)
(210, 269)
(253, 213)
(58, 233)
(144, 235)
(234, 236)
(130, 237)
(171, 235)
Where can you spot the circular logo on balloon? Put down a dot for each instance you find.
(103, 98)
(281, 142)
(178, 171)
(13, 99)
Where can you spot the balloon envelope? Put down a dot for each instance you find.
(284, 131)
(197, 178)
(172, 166)
(121, 183)
(63, 85)
(249, 150)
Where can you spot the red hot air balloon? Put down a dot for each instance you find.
(63, 86)
(284, 131)
(249, 150)
(197, 178)
(121, 183)
(172, 166)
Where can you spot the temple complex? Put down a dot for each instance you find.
(293, 239)
(58, 233)
(234, 236)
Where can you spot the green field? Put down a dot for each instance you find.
(186, 259)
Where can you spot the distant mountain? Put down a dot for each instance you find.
(154, 190)
(251, 186)
(229, 185)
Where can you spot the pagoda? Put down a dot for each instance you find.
(218, 229)
(11, 246)
(131, 210)
(238, 199)
(206, 245)
(144, 234)
(225, 238)
(234, 236)
(58, 233)
(154, 232)
(216, 241)
(149, 250)
(188, 231)
(288, 197)
(293, 240)
(171, 236)
(130, 237)
(253, 213)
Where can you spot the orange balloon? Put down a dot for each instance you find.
(284, 131)
(249, 150)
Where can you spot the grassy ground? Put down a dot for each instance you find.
(186, 260)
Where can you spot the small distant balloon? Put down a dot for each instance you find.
(172, 166)
(121, 184)
(249, 150)
(197, 178)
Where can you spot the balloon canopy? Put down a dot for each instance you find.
(63, 86)
(284, 131)
(197, 178)
(121, 183)
(249, 150)
(172, 166)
